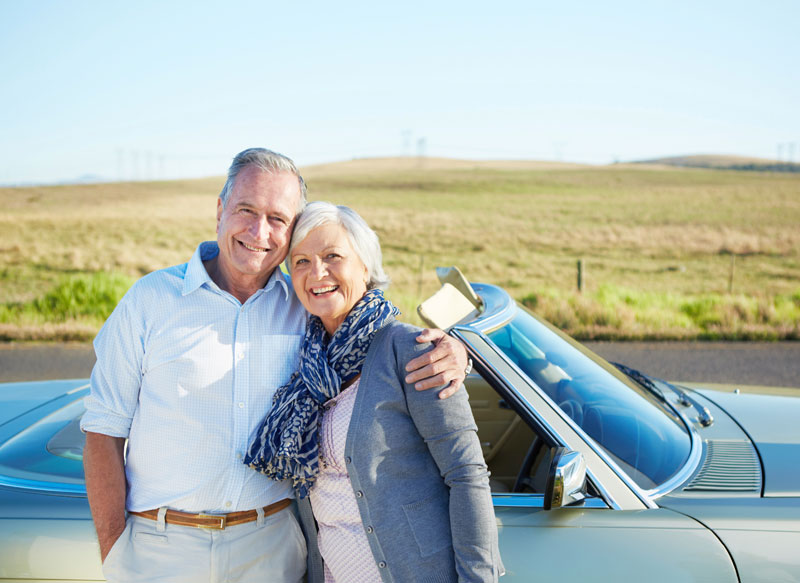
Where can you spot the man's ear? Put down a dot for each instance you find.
(219, 212)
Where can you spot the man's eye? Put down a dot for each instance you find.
(280, 220)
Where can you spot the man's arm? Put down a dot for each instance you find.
(444, 364)
(104, 466)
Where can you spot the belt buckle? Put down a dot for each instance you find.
(222, 520)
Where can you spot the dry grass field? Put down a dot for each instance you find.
(659, 244)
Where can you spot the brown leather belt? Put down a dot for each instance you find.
(213, 521)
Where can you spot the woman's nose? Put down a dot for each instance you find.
(318, 269)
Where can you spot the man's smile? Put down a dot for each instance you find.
(252, 248)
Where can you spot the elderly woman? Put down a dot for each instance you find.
(395, 477)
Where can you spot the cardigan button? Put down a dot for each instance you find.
(382, 564)
(369, 530)
(348, 459)
(359, 494)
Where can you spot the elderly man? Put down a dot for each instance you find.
(186, 368)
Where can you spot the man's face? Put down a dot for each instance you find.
(254, 228)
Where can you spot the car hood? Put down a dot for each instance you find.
(769, 416)
(19, 398)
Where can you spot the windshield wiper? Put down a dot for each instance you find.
(704, 416)
(642, 380)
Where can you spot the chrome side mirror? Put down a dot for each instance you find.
(566, 480)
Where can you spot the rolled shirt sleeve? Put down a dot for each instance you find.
(117, 375)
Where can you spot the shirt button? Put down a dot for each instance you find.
(382, 564)
(228, 504)
(239, 456)
(240, 356)
(359, 494)
(241, 405)
(369, 530)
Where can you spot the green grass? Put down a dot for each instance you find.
(78, 305)
(656, 242)
(622, 314)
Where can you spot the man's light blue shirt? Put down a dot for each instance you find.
(186, 372)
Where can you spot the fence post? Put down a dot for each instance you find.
(580, 275)
(732, 271)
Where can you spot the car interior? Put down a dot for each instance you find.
(516, 455)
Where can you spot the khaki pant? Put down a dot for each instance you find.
(270, 549)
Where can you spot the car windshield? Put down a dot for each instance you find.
(641, 434)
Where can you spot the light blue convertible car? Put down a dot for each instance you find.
(599, 472)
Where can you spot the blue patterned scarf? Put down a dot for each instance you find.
(286, 444)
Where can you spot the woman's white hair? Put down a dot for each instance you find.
(364, 240)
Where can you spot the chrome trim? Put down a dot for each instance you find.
(568, 478)
(76, 389)
(43, 487)
(606, 495)
(626, 479)
(689, 467)
(515, 500)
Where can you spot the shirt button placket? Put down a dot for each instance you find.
(241, 380)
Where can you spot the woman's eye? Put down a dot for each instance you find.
(299, 261)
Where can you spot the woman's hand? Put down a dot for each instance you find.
(444, 364)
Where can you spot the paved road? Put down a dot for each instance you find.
(774, 364)
(752, 363)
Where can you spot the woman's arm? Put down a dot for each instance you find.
(449, 430)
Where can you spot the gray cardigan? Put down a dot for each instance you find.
(417, 471)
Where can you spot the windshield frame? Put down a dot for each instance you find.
(500, 310)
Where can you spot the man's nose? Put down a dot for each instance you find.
(259, 228)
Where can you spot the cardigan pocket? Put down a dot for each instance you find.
(429, 525)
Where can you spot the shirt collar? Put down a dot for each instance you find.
(196, 274)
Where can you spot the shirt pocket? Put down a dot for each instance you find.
(429, 522)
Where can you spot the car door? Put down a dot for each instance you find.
(609, 536)
(593, 543)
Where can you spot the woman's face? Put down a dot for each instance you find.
(327, 274)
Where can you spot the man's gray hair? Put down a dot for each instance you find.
(364, 240)
(266, 160)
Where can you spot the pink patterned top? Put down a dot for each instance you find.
(342, 539)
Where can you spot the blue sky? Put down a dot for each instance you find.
(174, 89)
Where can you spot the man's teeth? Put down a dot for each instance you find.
(252, 248)
(324, 290)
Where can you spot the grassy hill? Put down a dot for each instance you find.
(659, 244)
